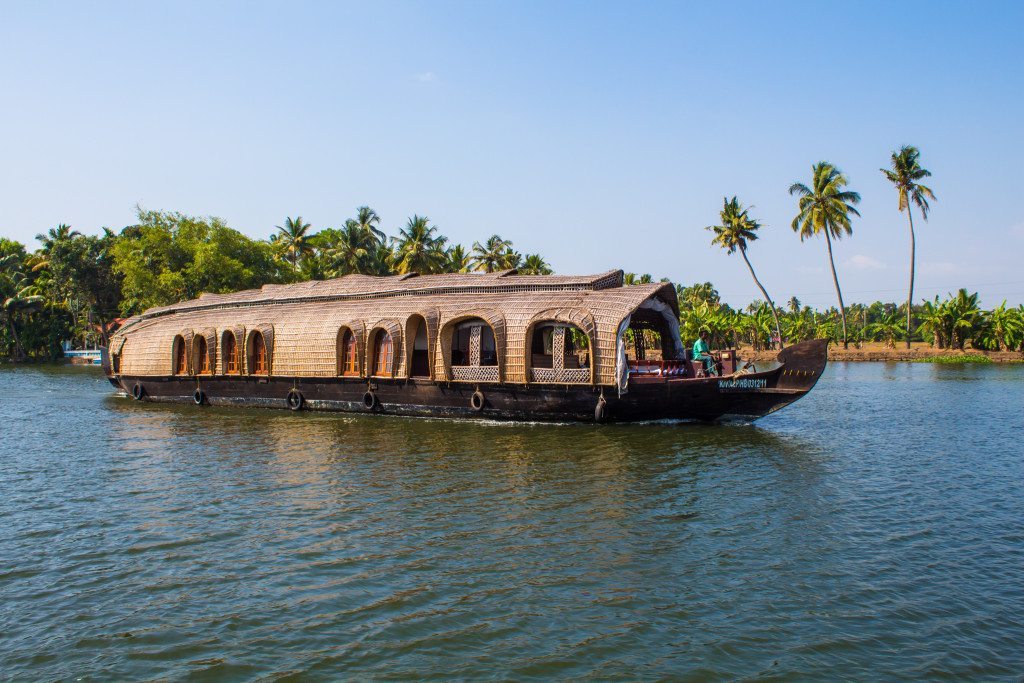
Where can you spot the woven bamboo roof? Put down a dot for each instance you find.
(304, 319)
(371, 286)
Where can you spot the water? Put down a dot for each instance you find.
(874, 530)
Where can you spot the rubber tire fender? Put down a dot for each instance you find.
(138, 392)
(199, 397)
(476, 401)
(296, 401)
(600, 410)
(370, 400)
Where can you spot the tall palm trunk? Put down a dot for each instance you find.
(910, 295)
(775, 314)
(839, 293)
(19, 350)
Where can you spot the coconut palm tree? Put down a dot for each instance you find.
(824, 209)
(61, 233)
(645, 279)
(293, 240)
(511, 260)
(367, 219)
(491, 255)
(418, 249)
(736, 230)
(458, 260)
(534, 264)
(350, 250)
(905, 174)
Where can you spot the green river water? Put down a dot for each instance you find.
(872, 531)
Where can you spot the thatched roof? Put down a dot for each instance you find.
(304, 319)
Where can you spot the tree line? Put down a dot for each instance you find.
(75, 286)
(955, 322)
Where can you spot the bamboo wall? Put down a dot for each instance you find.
(302, 334)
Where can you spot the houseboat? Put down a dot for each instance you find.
(496, 346)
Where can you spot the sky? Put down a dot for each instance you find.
(602, 135)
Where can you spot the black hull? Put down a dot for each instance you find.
(742, 397)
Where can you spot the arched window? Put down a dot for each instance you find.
(230, 355)
(559, 353)
(258, 356)
(180, 356)
(420, 353)
(348, 359)
(201, 356)
(383, 354)
(473, 345)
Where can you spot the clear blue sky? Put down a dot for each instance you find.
(601, 135)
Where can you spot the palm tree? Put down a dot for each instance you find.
(645, 279)
(61, 233)
(491, 255)
(794, 304)
(534, 264)
(349, 252)
(458, 260)
(417, 248)
(736, 230)
(905, 174)
(18, 298)
(293, 240)
(22, 302)
(380, 261)
(511, 260)
(826, 209)
(367, 219)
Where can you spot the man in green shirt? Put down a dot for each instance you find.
(702, 353)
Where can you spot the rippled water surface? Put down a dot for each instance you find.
(873, 530)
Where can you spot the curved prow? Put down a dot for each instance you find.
(802, 364)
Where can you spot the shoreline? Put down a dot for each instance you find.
(918, 353)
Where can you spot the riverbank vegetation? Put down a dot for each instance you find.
(76, 287)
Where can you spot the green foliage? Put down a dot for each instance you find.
(736, 231)
(534, 264)
(696, 294)
(494, 254)
(419, 248)
(958, 359)
(73, 286)
(168, 257)
(825, 209)
(906, 174)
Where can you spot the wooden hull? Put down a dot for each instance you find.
(740, 397)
